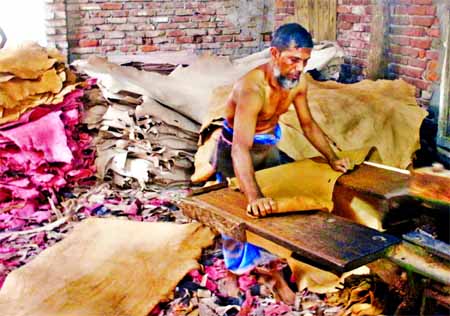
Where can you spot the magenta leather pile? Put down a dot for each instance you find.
(42, 154)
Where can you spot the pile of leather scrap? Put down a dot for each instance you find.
(31, 75)
(213, 290)
(42, 150)
(138, 140)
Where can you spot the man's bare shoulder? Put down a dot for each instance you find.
(253, 80)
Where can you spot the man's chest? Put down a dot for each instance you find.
(277, 102)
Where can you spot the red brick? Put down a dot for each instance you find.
(410, 71)
(224, 38)
(398, 59)
(421, 43)
(94, 21)
(215, 32)
(358, 27)
(88, 43)
(233, 45)
(421, 10)
(343, 42)
(207, 25)
(419, 63)
(176, 33)
(408, 51)
(149, 48)
(201, 18)
(422, 1)
(422, 20)
(358, 44)
(208, 39)
(344, 25)
(408, 31)
(401, 40)
(401, 10)
(433, 55)
(243, 38)
(180, 18)
(185, 39)
(343, 9)
(166, 26)
(207, 11)
(400, 20)
(152, 5)
(128, 49)
(350, 18)
(111, 6)
(434, 32)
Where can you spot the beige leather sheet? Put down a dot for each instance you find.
(105, 267)
(380, 114)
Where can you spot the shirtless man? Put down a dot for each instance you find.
(253, 110)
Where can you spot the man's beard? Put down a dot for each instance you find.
(284, 81)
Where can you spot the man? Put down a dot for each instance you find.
(250, 134)
(251, 129)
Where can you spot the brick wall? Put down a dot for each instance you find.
(415, 45)
(353, 34)
(283, 10)
(413, 42)
(226, 27)
(240, 27)
(56, 24)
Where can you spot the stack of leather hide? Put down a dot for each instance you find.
(31, 75)
(42, 152)
(139, 141)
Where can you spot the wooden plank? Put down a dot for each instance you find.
(321, 238)
(432, 184)
(376, 182)
(333, 24)
(318, 17)
(379, 29)
(303, 14)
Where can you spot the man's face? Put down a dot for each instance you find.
(289, 64)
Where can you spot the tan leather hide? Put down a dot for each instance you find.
(105, 267)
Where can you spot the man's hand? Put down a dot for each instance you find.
(261, 207)
(341, 165)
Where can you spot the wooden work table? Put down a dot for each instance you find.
(319, 238)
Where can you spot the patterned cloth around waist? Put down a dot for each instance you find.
(259, 139)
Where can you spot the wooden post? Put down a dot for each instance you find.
(379, 28)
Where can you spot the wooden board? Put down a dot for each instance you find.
(429, 184)
(320, 238)
(318, 17)
(376, 182)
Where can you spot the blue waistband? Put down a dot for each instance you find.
(260, 139)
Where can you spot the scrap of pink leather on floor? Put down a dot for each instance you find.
(277, 309)
(246, 281)
(217, 270)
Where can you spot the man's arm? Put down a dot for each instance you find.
(248, 105)
(313, 132)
